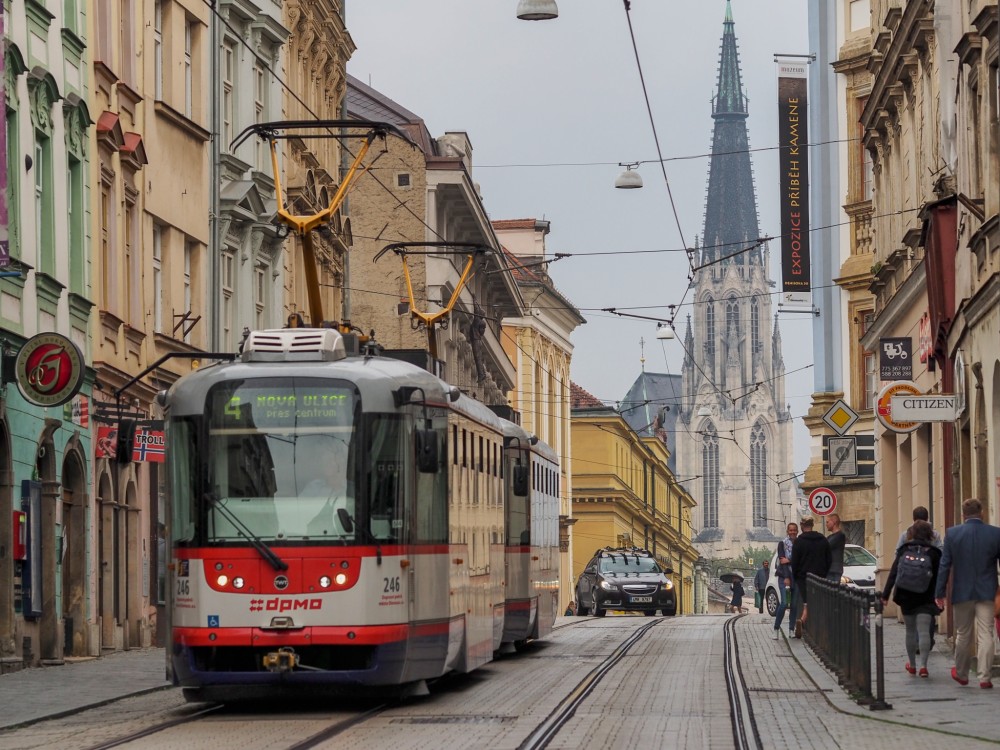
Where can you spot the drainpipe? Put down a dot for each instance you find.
(345, 209)
(215, 151)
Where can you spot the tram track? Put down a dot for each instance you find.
(746, 735)
(543, 734)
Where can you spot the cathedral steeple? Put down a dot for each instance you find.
(731, 207)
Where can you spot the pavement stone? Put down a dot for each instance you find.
(32, 695)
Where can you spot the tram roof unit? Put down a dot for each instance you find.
(528, 441)
(303, 352)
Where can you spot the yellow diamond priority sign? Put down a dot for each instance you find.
(840, 417)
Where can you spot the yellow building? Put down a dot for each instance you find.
(624, 494)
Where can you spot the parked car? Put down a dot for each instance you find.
(627, 579)
(859, 572)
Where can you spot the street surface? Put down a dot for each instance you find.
(669, 689)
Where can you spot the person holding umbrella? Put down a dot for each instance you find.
(736, 579)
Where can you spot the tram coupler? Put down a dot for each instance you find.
(283, 660)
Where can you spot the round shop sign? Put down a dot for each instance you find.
(49, 369)
(883, 408)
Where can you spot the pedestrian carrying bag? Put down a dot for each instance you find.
(915, 569)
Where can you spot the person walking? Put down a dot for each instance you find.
(810, 554)
(920, 513)
(971, 553)
(837, 540)
(918, 607)
(736, 605)
(760, 583)
(786, 582)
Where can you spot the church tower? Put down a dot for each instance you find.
(734, 431)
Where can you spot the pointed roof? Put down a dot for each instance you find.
(731, 222)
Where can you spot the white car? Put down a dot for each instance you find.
(859, 572)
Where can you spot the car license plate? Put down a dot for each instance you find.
(641, 599)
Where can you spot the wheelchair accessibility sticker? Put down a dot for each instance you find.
(213, 621)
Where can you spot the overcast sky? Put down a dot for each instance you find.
(552, 94)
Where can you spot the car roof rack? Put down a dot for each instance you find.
(610, 551)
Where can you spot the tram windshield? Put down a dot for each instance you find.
(291, 460)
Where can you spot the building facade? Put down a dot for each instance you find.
(538, 343)
(840, 83)
(625, 495)
(734, 424)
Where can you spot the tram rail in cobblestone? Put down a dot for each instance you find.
(157, 728)
(745, 732)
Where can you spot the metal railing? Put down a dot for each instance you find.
(839, 630)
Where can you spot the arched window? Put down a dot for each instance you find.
(755, 325)
(710, 475)
(758, 474)
(710, 335)
(732, 314)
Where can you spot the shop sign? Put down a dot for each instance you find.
(883, 407)
(49, 369)
(925, 344)
(894, 360)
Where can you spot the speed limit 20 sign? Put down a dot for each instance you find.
(822, 501)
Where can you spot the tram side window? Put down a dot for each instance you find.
(184, 495)
(388, 466)
(432, 501)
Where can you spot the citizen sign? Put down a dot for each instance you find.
(937, 408)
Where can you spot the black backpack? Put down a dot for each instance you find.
(915, 570)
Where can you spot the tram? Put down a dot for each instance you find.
(348, 523)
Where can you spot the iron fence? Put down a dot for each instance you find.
(839, 630)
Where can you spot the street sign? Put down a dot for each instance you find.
(894, 358)
(843, 456)
(942, 407)
(840, 417)
(822, 501)
(865, 454)
(883, 407)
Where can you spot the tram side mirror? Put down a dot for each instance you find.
(345, 520)
(427, 451)
(520, 480)
(124, 441)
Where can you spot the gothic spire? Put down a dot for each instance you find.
(731, 206)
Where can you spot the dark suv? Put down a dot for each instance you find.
(625, 579)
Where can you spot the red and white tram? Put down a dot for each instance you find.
(348, 523)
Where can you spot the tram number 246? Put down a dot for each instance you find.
(390, 585)
(183, 587)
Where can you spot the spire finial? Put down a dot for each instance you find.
(642, 353)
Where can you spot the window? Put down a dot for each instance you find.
(710, 475)
(75, 212)
(188, 252)
(228, 262)
(864, 164)
(103, 30)
(403, 180)
(131, 290)
(259, 112)
(710, 334)
(228, 91)
(732, 315)
(758, 474)
(158, 49)
(260, 295)
(157, 278)
(107, 256)
(188, 69)
(869, 362)
(126, 42)
(44, 239)
(758, 344)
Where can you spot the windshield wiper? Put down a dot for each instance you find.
(266, 552)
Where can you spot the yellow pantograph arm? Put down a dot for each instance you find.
(429, 319)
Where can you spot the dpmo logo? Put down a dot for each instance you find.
(280, 604)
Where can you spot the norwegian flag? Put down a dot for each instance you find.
(149, 445)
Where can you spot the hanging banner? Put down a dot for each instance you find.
(107, 442)
(150, 445)
(793, 179)
(4, 243)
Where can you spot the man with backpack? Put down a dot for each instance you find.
(914, 575)
(971, 552)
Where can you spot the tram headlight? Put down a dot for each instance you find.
(238, 582)
(222, 580)
(324, 581)
(341, 579)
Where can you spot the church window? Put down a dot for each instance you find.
(755, 325)
(732, 315)
(758, 474)
(710, 334)
(710, 475)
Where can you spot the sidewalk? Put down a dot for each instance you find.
(48, 692)
(937, 702)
